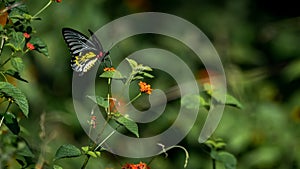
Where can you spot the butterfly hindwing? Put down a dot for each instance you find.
(85, 52)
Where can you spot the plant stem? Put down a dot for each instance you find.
(214, 163)
(2, 119)
(136, 97)
(5, 62)
(86, 161)
(40, 11)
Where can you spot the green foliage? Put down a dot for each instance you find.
(9, 91)
(128, 124)
(67, 151)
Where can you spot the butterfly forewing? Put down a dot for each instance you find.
(85, 52)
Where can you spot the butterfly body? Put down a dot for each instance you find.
(85, 51)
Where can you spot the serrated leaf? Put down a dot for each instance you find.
(67, 151)
(129, 125)
(16, 41)
(11, 123)
(17, 63)
(16, 94)
(39, 45)
(101, 101)
(15, 74)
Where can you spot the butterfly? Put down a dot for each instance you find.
(85, 51)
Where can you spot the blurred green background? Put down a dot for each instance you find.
(259, 45)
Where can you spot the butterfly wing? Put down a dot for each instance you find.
(84, 51)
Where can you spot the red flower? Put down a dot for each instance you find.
(30, 46)
(58, 1)
(144, 87)
(26, 35)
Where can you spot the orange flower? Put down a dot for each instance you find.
(26, 35)
(109, 69)
(30, 46)
(135, 166)
(145, 88)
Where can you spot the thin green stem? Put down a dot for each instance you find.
(40, 11)
(86, 161)
(136, 97)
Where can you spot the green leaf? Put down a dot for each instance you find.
(16, 41)
(67, 151)
(11, 122)
(57, 167)
(39, 45)
(15, 74)
(112, 74)
(147, 75)
(129, 125)
(24, 150)
(190, 101)
(16, 94)
(17, 63)
(137, 78)
(101, 101)
(132, 63)
(227, 159)
(231, 101)
(94, 154)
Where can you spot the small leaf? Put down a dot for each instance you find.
(24, 150)
(85, 149)
(129, 125)
(17, 63)
(15, 75)
(11, 122)
(39, 45)
(190, 101)
(231, 101)
(16, 41)
(57, 167)
(227, 159)
(132, 63)
(94, 154)
(148, 75)
(16, 94)
(137, 78)
(67, 151)
(101, 101)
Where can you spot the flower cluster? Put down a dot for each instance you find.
(109, 69)
(145, 88)
(136, 166)
(29, 45)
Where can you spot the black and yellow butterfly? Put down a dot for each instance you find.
(85, 52)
